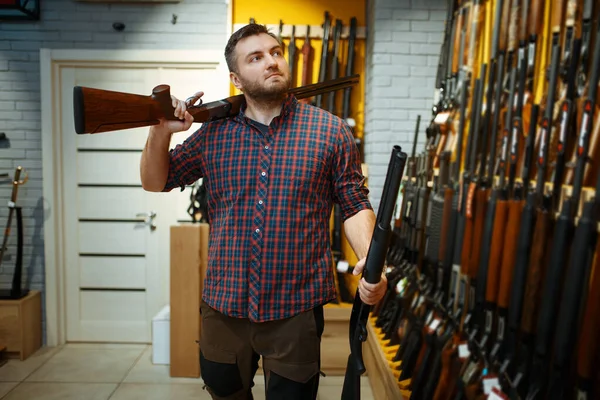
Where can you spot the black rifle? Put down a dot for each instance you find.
(349, 71)
(372, 273)
(292, 56)
(324, 53)
(582, 252)
(334, 69)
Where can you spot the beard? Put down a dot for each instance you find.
(270, 91)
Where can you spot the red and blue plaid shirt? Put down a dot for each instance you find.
(270, 197)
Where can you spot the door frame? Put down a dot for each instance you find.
(51, 63)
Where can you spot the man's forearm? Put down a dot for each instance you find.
(359, 230)
(154, 166)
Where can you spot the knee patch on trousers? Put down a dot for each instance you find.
(223, 379)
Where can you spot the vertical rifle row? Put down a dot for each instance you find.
(494, 267)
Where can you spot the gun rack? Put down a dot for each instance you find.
(316, 31)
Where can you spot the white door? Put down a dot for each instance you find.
(117, 235)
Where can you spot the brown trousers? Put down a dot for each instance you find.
(290, 348)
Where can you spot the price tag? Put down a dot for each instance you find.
(434, 324)
(342, 266)
(496, 394)
(463, 351)
(489, 384)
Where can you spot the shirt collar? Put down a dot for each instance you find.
(289, 105)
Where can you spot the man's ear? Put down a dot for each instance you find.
(235, 80)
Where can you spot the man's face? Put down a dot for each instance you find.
(263, 73)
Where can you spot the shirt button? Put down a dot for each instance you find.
(257, 230)
(266, 147)
(260, 202)
(263, 173)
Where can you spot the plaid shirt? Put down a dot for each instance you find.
(270, 198)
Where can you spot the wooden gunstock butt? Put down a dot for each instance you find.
(536, 17)
(480, 210)
(535, 272)
(504, 24)
(515, 210)
(495, 263)
(558, 12)
(97, 110)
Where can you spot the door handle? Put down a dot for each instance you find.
(148, 219)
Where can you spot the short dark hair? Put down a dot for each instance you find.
(248, 30)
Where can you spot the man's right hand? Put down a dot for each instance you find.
(180, 112)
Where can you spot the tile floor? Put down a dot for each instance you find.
(115, 372)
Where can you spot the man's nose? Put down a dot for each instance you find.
(271, 61)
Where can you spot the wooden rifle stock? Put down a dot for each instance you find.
(97, 110)
(536, 271)
(503, 37)
(307, 59)
(495, 261)
(515, 210)
(536, 18)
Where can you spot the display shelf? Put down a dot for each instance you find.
(383, 382)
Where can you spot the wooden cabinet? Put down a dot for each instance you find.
(21, 325)
(189, 251)
(335, 342)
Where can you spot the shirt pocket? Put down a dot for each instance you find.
(309, 173)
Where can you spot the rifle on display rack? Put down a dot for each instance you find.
(324, 57)
(16, 291)
(307, 59)
(292, 56)
(494, 272)
(334, 68)
(98, 110)
(372, 273)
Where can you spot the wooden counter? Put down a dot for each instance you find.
(21, 325)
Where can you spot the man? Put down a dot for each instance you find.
(272, 174)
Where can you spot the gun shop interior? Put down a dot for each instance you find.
(136, 240)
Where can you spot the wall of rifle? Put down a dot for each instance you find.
(494, 267)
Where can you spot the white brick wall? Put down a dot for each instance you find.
(404, 43)
(68, 24)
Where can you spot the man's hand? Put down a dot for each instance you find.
(370, 293)
(185, 118)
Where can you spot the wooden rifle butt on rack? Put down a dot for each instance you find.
(536, 271)
(495, 262)
(481, 201)
(515, 210)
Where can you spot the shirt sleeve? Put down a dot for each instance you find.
(186, 162)
(350, 190)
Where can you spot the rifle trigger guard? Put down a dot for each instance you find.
(190, 101)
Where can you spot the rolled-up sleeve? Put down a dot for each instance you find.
(186, 164)
(350, 191)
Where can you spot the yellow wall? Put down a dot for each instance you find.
(311, 12)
